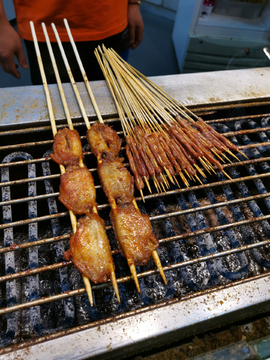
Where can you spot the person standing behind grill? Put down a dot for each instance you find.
(117, 24)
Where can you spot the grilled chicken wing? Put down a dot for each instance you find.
(89, 249)
(101, 137)
(117, 182)
(67, 147)
(77, 190)
(134, 234)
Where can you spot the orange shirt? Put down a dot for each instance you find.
(88, 20)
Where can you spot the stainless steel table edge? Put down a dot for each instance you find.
(21, 105)
(145, 330)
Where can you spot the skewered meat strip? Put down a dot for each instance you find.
(138, 179)
(134, 234)
(193, 133)
(158, 152)
(140, 136)
(77, 190)
(90, 250)
(194, 149)
(150, 167)
(137, 159)
(117, 182)
(67, 148)
(163, 142)
(182, 157)
(185, 141)
(200, 124)
(101, 137)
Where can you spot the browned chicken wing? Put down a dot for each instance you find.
(101, 137)
(117, 182)
(134, 234)
(90, 251)
(67, 148)
(77, 190)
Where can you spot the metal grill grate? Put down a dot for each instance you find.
(210, 235)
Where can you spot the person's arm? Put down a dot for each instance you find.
(135, 23)
(10, 46)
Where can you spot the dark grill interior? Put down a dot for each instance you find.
(210, 235)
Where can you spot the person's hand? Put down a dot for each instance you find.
(11, 47)
(135, 25)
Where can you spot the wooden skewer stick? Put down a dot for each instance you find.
(72, 80)
(65, 105)
(231, 153)
(228, 176)
(166, 99)
(224, 155)
(200, 170)
(176, 182)
(240, 152)
(54, 130)
(83, 72)
(61, 91)
(218, 156)
(184, 179)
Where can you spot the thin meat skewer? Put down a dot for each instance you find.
(213, 135)
(138, 179)
(140, 165)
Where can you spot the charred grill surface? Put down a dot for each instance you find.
(210, 235)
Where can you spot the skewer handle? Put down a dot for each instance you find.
(72, 80)
(54, 130)
(83, 72)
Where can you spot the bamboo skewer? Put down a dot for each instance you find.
(132, 266)
(154, 254)
(54, 130)
(159, 94)
(135, 85)
(81, 164)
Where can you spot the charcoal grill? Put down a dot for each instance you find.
(214, 237)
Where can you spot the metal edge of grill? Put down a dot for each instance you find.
(163, 317)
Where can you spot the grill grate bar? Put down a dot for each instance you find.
(125, 279)
(237, 118)
(230, 106)
(172, 214)
(27, 245)
(35, 271)
(209, 230)
(50, 177)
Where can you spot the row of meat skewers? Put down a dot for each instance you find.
(155, 149)
(163, 140)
